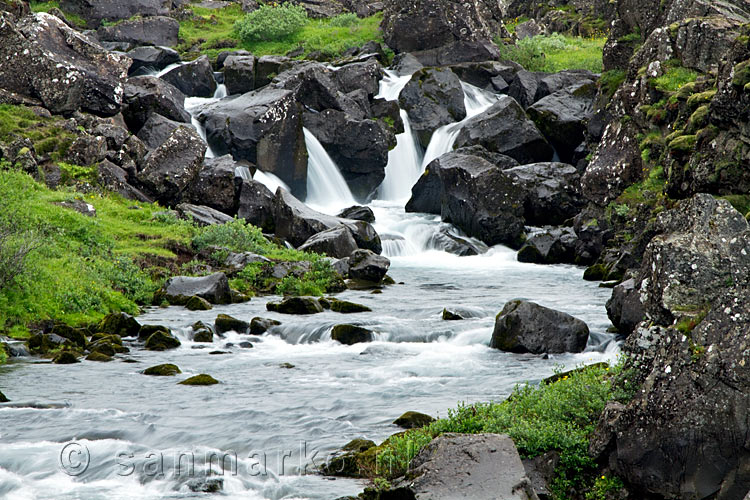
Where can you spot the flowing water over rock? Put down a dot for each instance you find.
(295, 396)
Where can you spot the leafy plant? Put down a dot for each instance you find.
(271, 22)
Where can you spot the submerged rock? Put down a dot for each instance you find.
(225, 323)
(161, 341)
(259, 326)
(194, 79)
(196, 303)
(201, 379)
(147, 330)
(99, 356)
(121, 324)
(351, 334)
(528, 327)
(213, 288)
(296, 305)
(365, 265)
(4, 399)
(165, 370)
(451, 315)
(413, 420)
(346, 307)
(65, 358)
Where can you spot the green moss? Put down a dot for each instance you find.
(345, 307)
(741, 74)
(682, 144)
(674, 78)
(201, 379)
(46, 134)
(741, 202)
(701, 98)
(697, 120)
(47, 6)
(611, 81)
(165, 370)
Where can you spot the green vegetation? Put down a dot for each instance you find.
(47, 6)
(46, 134)
(559, 416)
(611, 81)
(556, 53)
(214, 30)
(674, 78)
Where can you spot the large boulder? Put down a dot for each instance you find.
(551, 246)
(96, 11)
(146, 95)
(563, 117)
(65, 70)
(624, 308)
(524, 326)
(194, 79)
(256, 205)
(239, 74)
(480, 467)
(552, 192)
(215, 185)
(171, 167)
(361, 75)
(151, 58)
(365, 265)
(156, 130)
(263, 127)
(201, 215)
(432, 24)
(158, 30)
(115, 179)
(213, 288)
(336, 242)
(505, 128)
(351, 334)
(432, 98)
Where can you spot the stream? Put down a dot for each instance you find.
(295, 396)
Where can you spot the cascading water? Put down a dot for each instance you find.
(194, 105)
(327, 190)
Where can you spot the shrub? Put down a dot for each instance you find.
(237, 236)
(15, 245)
(315, 282)
(271, 22)
(346, 20)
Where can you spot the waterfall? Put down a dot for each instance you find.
(327, 190)
(270, 181)
(193, 105)
(243, 173)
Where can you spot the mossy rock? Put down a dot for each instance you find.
(103, 347)
(196, 303)
(239, 297)
(147, 330)
(741, 74)
(325, 303)
(3, 399)
(65, 358)
(98, 356)
(201, 379)
(683, 144)
(346, 307)
(674, 135)
(44, 343)
(595, 272)
(413, 420)
(165, 370)
(348, 461)
(161, 341)
(121, 324)
(111, 338)
(259, 326)
(296, 305)
(203, 336)
(701, 98)
(351, 334)
(359, 445)
(697, 120)
(225, 323)
(76, 335)
(287, 366)
(451, 316)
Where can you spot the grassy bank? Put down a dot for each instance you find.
(556, 52)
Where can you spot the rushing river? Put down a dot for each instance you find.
(295, 396)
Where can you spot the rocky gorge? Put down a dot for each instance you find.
(215, 246)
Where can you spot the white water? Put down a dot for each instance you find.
(195, 105)
(270, 181)
(327, 190)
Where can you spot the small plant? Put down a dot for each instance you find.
(605, 488)
(345, 20)
(15, 246)
(271, 22)
(237, 236)
(316, 281)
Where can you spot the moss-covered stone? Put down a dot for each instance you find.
(451, 316)
(196, 303)
(683, 144)
(697, 120)
(701, 98)
(349, 462)
(65, 358)
(120, 324)
(346, 307)
(225, 323)
(147, 330)
(595, 272)
(76, 335)
(161, 341)
(287, 366)
(741, 74)
(413, 420)
(112, 339)
(239, 297)
(201, 379)
(98, 356)
(296, 305)
(165, 370)
(103, 347)
(259, 326)
(203, 336)
(351, 334)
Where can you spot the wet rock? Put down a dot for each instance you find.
(161, 341)
(213, 288)
(446, 240)
(157, 130)
(256, 205)
(524, 326)
(145, 95)
(451, 315)
(365, 265)
(413, 420)
(263, 127)
(202, 215)
(239, 74)
(358, 213)
(487, 75)
(505, 128)
(44, 59)
(296, 305)
(351, 334)
(336, 242)
(432, 98)
(44, 343)
(121, 324)
(165, 370)
(151, 58)
(195, 303)
(346, 307)
(157, 30)
(225, 323)
(259, 326)
(551, 246)
(361, 75)
(524, 87)
(202, 379)
(202, 332)
(194, 79)
(624, 308)
(147, 330)
(552, 192)
(65, 358)
(102, 346)
(76, 335)
(99, 357)
(481, 467)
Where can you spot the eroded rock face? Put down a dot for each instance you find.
(194, 79)
(44, 59)
(96, 11)
(216, 185)
(157, 30)
(552, 192)
(146, 95)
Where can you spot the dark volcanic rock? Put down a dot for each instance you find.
(202, 215)
(157, 30)
(624, 308)
(96, 11)
(115, 179)
(259, 326)
(358, 213)
(239, 74)
(365, 265)
(552, 192)
(528, 327)
(351, 334)
(432, 98)
(156, 130)
(194, 79)
(505, 128)
(215, 185)
(45, 59)
(145, 95)
(413, 420)
(336, 242)
(553, 246)
(152, 58)
(213, 288)
(296, 305)
(256, 205)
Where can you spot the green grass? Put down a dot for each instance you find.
(556, 53)
(611, 81)
(47, 6)
(46, 134)
(558, 416)
(674, 78)
(214, 31)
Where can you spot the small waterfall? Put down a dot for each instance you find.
(194, 105)
(327, 190)
(243, 173)
(270, 181)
